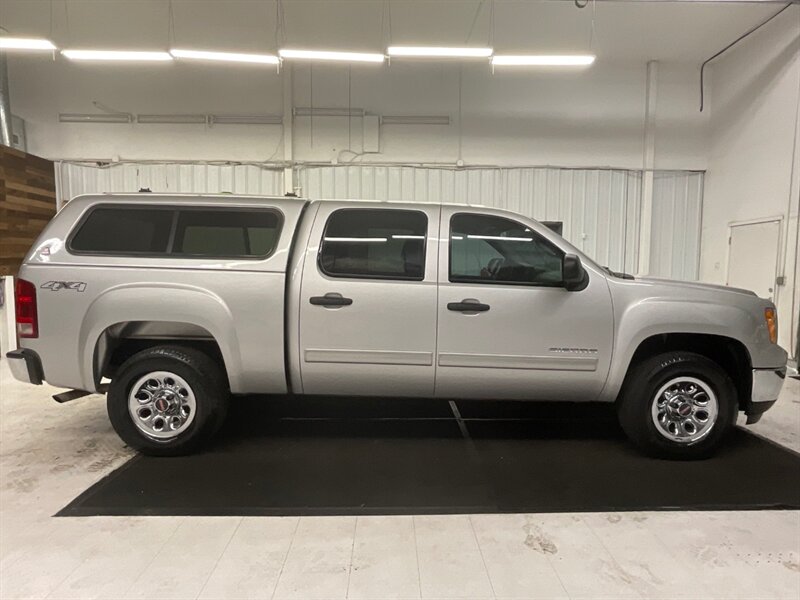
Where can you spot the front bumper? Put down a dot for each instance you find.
(767, 384)
(25, 366)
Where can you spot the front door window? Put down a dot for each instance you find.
(493, 250)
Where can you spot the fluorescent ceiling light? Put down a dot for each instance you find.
(12, 43)
(543, 60)
(331, 55)
(438, 52)
(172, 119)
(131, 55)
(413, 120)
(95, 118)
(268, 59)
(245, 119)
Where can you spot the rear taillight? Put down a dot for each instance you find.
(27, 317)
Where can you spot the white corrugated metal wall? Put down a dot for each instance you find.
(212, 178)
(677, 213)
(600, 208)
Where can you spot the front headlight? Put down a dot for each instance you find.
(772, 324)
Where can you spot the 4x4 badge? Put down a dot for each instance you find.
(77, 286)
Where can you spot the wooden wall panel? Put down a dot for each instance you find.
(27, 203)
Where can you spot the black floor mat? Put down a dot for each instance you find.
(325, 456)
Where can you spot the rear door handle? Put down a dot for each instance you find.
(330, 299)
(468, 305)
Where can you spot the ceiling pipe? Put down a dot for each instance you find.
(731, 45)
(5, 102)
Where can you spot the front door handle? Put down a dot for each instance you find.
(330, 299)
(468, 305)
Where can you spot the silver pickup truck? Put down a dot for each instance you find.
(183, 300)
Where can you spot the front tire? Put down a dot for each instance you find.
(167, 400)
(678, 405)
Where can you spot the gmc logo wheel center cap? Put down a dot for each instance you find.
(165, 401)
(680, 407)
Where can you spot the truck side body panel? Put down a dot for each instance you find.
(239, 303)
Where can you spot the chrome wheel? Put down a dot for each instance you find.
(161, 404)
(684, 410)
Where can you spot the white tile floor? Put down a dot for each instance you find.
(51, 453)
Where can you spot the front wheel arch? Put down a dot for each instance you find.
(729, 353)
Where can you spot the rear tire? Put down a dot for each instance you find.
(168, 400)
(677, 405)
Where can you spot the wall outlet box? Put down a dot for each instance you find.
(18, 139)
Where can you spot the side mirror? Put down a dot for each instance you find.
(573, 273)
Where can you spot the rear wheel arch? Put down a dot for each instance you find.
(141, 311)
(118, 342)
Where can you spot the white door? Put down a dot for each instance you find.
(753, 257)
(508, 329)
(368, 301)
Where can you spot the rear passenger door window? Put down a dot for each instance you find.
(121, 230)
(374, 244)
(226, 233)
